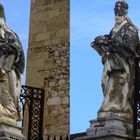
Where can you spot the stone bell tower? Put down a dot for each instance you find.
(48, 62)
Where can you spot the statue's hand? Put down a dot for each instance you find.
(101, 44)
(102, 40)
(99, 39)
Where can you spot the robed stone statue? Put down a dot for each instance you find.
(11, 70)
(118, 50)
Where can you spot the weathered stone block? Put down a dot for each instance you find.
(54, 101)
(42, 36)
(65, 100)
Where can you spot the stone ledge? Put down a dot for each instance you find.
(111, 137)
(9, 132)
(114, 128)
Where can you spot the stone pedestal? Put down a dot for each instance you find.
(9, 132)
(109, 129)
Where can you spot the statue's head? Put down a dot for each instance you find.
(121, 8)
(2, 14)
(121, 11)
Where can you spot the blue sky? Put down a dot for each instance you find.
(17, 16)
(89, 19)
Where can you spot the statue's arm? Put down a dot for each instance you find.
(101, 44)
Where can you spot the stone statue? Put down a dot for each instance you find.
(11, 70)
(118, 51)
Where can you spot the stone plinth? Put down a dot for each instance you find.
(9, 132)
(109, 129)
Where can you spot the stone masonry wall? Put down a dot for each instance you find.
(48, 61)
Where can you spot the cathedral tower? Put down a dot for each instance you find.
(48, 61)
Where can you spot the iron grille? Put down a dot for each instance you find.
(33, 99)
(136, 120)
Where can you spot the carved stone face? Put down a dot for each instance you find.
(121, 8)
(121, 11)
